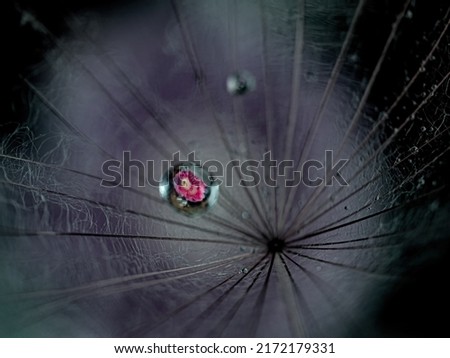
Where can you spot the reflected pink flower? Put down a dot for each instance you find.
(189, 186)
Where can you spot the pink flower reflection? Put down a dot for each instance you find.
(189, 186)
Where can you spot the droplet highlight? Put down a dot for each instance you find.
(240, 83)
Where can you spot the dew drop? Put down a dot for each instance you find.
(189, 189)
(423, 129)
(409, 14)
(245, 215)
(420, 182)
(414, 150)
(240, 83)
(244, 270)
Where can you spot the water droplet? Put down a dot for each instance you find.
(420, 182)
(422, 69)
(245, 215)
(409, 14)
(240, 83)
(189, 188)
(414, 149)
(244, 270)
(423, 128)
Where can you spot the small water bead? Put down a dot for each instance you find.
(409, 14)
(245, 215)
(189, 188)
(420, 182)
(244, 270)
(240, 83)
(414, 150)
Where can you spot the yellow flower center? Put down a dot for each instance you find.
(185, 183)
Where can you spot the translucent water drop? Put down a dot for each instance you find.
(240, 83)
(245, 215)
(420, 182)
(189, 188)
(409, 14)
(244, 270)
